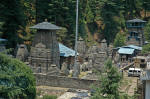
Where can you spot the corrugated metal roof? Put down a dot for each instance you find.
(2, 39)
(133, 47)
(45, 26)
(65, 51)
(126, 51)
(136, 20)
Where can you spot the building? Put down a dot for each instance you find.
(126, 53)
(145, 77)
(44, 53)
(135, 32)
(140, 61)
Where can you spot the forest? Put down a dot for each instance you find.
(100, 18)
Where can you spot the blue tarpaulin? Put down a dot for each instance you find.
(65, 51)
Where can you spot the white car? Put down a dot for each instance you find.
(134, 72)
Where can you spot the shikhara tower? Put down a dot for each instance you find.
(45, 49)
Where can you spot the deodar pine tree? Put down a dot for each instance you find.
(12, 15)
(108, 87)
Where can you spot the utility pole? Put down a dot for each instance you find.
(75, 73)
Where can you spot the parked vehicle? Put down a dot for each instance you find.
(134, 72)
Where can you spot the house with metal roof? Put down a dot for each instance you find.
(127, 53)
(135, 34)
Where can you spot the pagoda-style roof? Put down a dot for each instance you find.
(45, 26)
(136, 20)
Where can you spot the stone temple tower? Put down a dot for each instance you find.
(136, 32)
(44, 52)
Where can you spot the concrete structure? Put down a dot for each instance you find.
(145, 77)
(140, 61)
(44, 52)
(136, 32)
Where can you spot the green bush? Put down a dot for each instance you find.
(146, 49)
(49, 97)
(16, 79)
(119, 40)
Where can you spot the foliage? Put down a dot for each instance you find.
(61, 34)
(12, 15)
(132, 8)
(146, 48)
(106, 17)
(119, 40)
(147, 31)
(49, 97)
(111, 16)
(16, 79)
(109, 83)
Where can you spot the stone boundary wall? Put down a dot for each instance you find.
(61, 81)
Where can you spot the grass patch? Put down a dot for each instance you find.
(49, 97)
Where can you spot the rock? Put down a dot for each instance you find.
(64, 69)
(22, 53)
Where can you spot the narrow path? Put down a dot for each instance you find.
(129, 84)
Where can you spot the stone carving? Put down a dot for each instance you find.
(81, 47)
(103, 45)
(53, 70)
(64, 69)
(22, 53)
(76, 71)
(40, 59)
(96, 57)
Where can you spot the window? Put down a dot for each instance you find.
(142, 60)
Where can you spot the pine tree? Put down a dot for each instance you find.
(119, 40)
(12, 15)
(111, 16)
(108, 87)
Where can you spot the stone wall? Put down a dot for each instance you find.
(66, 82)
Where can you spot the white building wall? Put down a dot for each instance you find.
(147, 90)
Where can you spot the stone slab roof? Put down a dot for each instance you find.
(45, 26)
